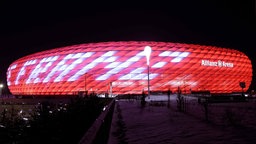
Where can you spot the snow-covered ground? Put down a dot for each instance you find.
(158, 124)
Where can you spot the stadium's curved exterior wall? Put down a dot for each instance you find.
(96, 66)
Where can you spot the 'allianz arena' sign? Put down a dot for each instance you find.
(218, 63)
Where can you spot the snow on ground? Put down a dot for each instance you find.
(157, 124)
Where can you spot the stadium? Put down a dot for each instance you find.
(121, 68)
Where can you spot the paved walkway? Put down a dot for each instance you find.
(158, 124)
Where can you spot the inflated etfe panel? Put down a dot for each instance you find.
(121, 67)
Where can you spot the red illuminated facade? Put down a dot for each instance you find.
(123, 67)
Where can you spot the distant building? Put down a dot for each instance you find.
(121, 67)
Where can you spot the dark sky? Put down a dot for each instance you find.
(27, 27)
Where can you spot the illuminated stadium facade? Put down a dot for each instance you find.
(122, 68)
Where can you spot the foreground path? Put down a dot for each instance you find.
(134, 124)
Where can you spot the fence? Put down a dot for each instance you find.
(222, 113)
(98, 132)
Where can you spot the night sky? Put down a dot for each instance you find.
(27, 27)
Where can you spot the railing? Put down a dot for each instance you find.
(98, 132)
(222, 111)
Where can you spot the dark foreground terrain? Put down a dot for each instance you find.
(48, 120)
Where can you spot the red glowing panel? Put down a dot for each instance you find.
(93, 66)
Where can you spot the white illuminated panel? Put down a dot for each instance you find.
(184, 54)
(177, 59)
(113, 65)
(104, 77)
(39, 69)
(91, 65)
(174, 54)
(110, 59)
(23, 70)
(165, 53)
(138, 70)
(159, 65)
(151, 76)
(9, 74)
(67, 68)
(120, 66)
